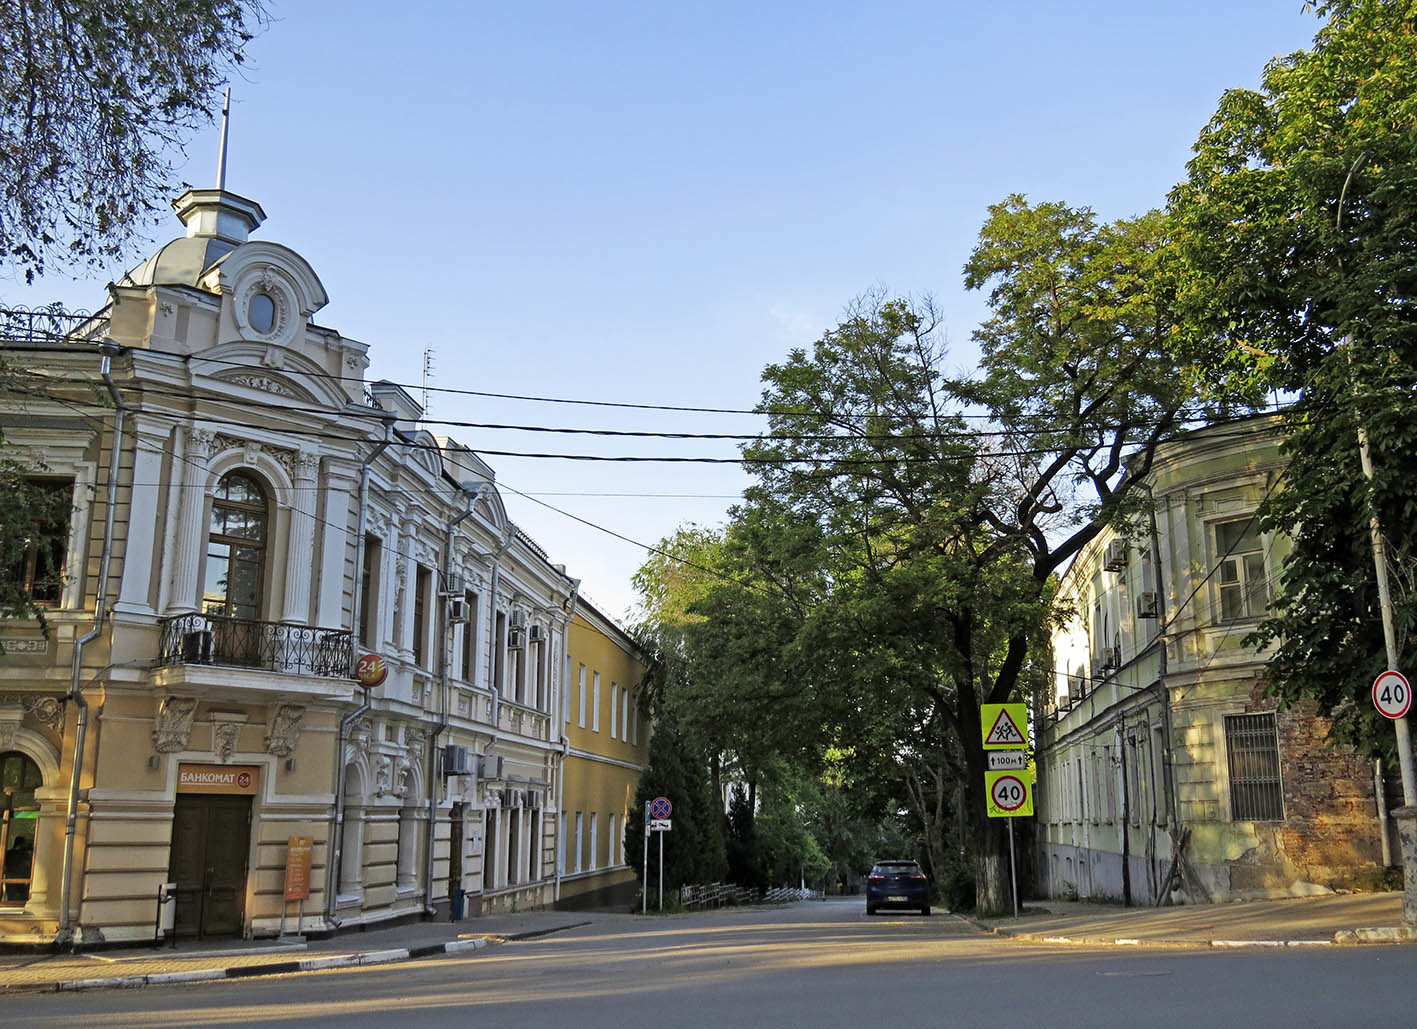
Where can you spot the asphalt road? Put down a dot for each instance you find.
(810, 964)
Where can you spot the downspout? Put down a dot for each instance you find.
(66, 923)
(1163, 692)
(443, 644)
(335, 847)
(565, 740)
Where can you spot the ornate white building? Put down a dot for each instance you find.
(249, 518)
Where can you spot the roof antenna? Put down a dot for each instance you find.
(427, 376)
(221, 154)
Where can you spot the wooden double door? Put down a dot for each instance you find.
(211, 839)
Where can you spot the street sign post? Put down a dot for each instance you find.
(1392, 695)
(1008, 787)
(657, 813)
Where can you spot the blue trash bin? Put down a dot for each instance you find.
(456, 905)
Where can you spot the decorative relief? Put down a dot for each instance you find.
(46, 710)
(265, 384)
(361, 736)
(10, 716)
(201, 443)
(383, 775)
(307, 465)
(284, 733)
(37, 645)
(226, 731)
(172, 727)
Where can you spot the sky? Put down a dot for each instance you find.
(647, 203)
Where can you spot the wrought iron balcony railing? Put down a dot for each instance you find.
(53, 324)
(198, 639)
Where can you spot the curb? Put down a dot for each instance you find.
(1395, 934)
(369, 957)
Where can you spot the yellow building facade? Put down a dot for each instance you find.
(607, 745)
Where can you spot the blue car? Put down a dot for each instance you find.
(897, 884)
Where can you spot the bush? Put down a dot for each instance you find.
(956, 888)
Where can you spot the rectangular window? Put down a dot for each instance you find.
(469, 639)
(499, 653)
(35, 549)
(581, 720)
(561, 857)
(369, 591)
(1239, 557)
(614, 709)
(595, 702)
(1256, 793)
(580, 840)
(594, 841)
(422, 583)
(613, 842)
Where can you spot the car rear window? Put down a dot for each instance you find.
(896, 868)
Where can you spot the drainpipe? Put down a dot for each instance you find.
(335, 846)
(472, 489)
(76, 693)
(564, 739)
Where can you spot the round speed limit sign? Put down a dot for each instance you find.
(1392, 694)
(1008, 792)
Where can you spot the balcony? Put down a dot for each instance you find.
(218, 640)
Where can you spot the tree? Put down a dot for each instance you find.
(694, 850)
(94, 99)
(939, 543)
(1300, 216)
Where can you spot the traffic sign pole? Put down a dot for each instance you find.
(644, 892)
(1013, 866)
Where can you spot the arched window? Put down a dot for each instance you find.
(19, 778)
(236, 548)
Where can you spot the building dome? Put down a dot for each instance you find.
(217, 223)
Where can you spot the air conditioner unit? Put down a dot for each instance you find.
(490, 766)
(518, 619)
(455, 584)
(455, 760)
(1111, 657)
(1147, 605)
(1114, 558)
(197, 647)
(457, 609)
(536, 634)
(516, 638)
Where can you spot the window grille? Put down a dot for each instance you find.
(1256, 792)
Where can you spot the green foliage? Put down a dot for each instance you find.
(694, 849)
(1300, 216)
(94, 101)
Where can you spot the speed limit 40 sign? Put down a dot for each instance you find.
(1392, 694)
(1010, 794)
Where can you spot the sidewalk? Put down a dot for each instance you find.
(195, 961)
(1299, 922)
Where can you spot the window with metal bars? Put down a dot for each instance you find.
(1256, 791)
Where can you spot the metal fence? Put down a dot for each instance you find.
(52, 324)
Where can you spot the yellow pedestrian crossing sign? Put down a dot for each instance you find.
(1005, 726)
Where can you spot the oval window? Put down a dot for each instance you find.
(262, 312)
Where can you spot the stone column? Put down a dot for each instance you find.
(192, 526)
(300, 563)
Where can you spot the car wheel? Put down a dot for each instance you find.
(925, 910)
(870, 909)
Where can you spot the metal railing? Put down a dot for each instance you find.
(52, 324)
(198, 639)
